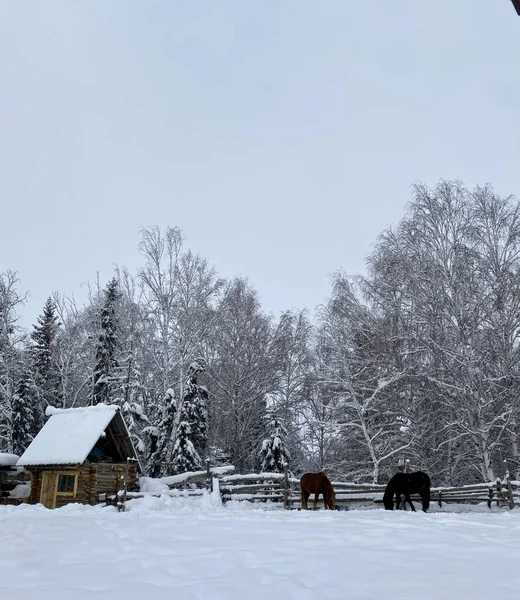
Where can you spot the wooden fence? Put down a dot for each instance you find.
(284, 489)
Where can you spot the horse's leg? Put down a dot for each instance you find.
(316, 496)
(425, 496)
(304, 498)
(409, 500)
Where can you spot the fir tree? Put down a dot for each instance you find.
(274, 453)
(47, 377)
(191, 435)
(107, 376)
(160, 438)
(195, 408)
(132, 392)
(185, 457)
(23, 422)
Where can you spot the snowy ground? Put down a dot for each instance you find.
(168, 548)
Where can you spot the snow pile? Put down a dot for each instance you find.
(20, 491)
(215, 497)
(176, 501)
(8, 460)
(153, 486)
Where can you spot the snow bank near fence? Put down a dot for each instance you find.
(153, 486)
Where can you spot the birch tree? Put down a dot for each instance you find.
(362, 374)
(179, 291)
(242, 358)
(11, 338)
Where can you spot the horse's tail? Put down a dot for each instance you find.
(303, 494)
(425, 496)
(388, 496)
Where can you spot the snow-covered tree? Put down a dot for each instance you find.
(24, 414)
(178, 293)
(243, 364)
(44, 351)
(107, 377)
(185, 457)
(161, 438)
(363, 377)
(135, 393)
(194, 407)
(191, 439)
(294, 336)
(11, 338)
(274, 453)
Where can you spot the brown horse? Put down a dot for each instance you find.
(317, 483)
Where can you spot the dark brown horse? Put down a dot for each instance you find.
(317, 483)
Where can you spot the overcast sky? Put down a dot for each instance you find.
(281, 136)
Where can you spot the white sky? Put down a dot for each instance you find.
(280, 136)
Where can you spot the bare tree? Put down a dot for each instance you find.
(242, 359)
(294, 336)
(11, 338)
(179, 290)
(361, 372)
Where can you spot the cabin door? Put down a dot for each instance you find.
(49, 485)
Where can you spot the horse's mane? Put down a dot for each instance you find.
(329, 495)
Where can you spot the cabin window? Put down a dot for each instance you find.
(66, 484)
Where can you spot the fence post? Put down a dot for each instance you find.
(500, 491)
(510, 490)
(286, 487)
(490, 494)
(121, 496)
(208, 470)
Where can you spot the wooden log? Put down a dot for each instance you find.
(249, 488)
(253, 477)
(252, 497)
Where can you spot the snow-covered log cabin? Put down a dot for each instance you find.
(80, 455)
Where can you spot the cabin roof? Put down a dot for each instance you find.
(70, 434)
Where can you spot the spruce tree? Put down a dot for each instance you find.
(47, 377)
(185, 457)
(274, 453)
(160, 438)
(195, 407)
(23, 421)
(191, 434)
(107, 376)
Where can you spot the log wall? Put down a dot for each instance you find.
(92, 480)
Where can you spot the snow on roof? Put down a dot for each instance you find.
(8, 460)
(68, 436)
